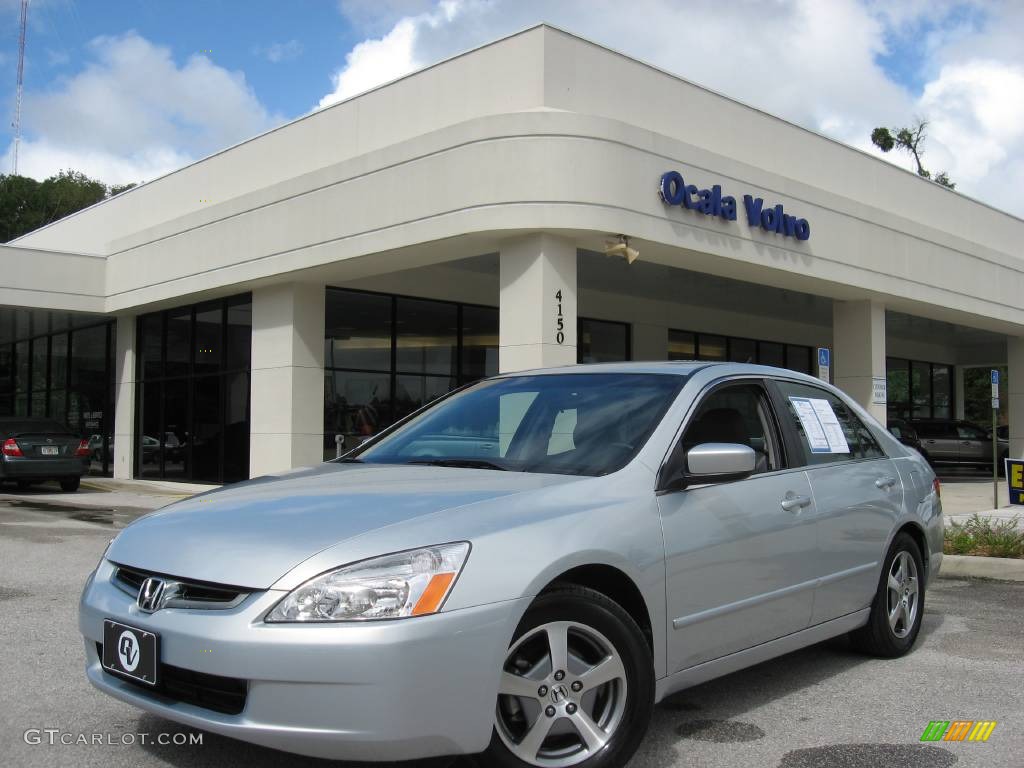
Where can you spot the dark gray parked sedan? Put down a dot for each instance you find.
(33, 450)
(522, 568)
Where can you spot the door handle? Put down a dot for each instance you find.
(885, 482)
(795, 503)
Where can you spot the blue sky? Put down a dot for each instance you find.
(129, 89)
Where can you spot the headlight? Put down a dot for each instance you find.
(412, 583)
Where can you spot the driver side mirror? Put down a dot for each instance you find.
(712, 463)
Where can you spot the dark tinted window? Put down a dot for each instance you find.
(575, 424)
(970, 432)
(600, 341)
(811, 410)
(426, 337)
(936, 429)
(33, 426)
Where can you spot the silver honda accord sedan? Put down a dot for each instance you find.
(522, 568)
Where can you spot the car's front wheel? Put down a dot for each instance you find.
(896, 612)
(577, 685)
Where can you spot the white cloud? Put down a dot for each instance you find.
(376, 61)
(275, 53)
(133, 113)
(811, 62)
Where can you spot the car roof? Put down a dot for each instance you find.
(669, 367)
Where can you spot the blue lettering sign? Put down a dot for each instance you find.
(711, 202)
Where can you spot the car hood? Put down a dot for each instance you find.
(251, 534)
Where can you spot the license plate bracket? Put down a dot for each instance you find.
(131, 652)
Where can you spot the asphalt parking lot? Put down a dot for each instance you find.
(823, 706)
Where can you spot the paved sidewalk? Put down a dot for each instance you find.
(102, 495)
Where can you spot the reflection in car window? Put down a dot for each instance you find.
(583, 424)
(970, 432)
(736, 414)
(860, 440)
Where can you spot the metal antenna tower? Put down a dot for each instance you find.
(21, 79)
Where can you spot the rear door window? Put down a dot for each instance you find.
(826, 427)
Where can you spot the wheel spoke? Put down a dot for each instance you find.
(558, 644)
(901, 574)
(603, 672)
(592, 735)
(905, 610)
(534, 738)
(514, 685)
(894, 615)
(894, 583)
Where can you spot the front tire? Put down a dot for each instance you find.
(896, 611)
(577, 686)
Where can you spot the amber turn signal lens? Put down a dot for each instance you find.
(434, 594)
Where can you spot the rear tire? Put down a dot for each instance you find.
(594, 709)
(898, 607)
(70, 484)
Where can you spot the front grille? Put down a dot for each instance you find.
(188, 594)
(219, 694)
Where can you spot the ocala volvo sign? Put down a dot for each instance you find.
(711, 202)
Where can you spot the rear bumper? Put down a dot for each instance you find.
(12, 468)
(375, 691)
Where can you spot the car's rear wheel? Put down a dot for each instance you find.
(70, 484)
(577, 685)
(896, 611)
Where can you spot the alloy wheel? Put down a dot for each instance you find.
(562, 695)
(902, 594)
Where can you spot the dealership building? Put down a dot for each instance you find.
(235, 317)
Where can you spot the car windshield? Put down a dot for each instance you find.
(578, 424)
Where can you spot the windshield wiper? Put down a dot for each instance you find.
(468, 463)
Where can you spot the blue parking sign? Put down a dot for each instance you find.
(824, 357)
(995, 377)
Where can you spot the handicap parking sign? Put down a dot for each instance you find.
(824, 357)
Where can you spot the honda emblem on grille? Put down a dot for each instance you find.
(150, 594)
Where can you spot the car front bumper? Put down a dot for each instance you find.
(375, 691)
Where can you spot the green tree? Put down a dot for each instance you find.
(27, 204)
(909, 140)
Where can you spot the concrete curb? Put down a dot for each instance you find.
(971, 566)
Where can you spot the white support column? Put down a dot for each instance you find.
(858, 346)
(537, 328)
(287, 398)
(124, 398)
(650, 342)
(1015, 394)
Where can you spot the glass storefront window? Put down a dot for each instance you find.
(426, 336)
(771, 353)
(40, 356)
(6, 379)
(387, 355)
(193, 397)
(357, 405)
(682, 345)
(179, 342)
(358, 333)
(602, 341)
(711, 347)
(921, 390)
(209, 332)
(742, 351)
(479, 342)
(941, 391)
(798, 358)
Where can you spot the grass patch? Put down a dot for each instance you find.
(985, 537)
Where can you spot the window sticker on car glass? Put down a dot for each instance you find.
(833, 429)
(816, 438)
